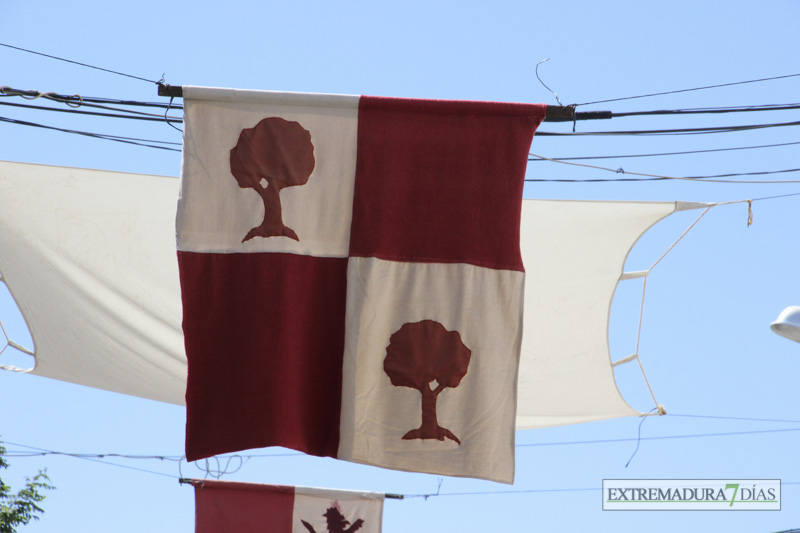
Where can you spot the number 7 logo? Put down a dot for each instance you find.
(735, 487)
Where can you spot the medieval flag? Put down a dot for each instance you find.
(224, 506)
(351, 277)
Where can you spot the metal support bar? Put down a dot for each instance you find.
(555, 113)
(175, 91)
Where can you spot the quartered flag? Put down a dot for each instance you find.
(225, 506)
(351, 277)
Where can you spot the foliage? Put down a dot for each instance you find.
(18, 509)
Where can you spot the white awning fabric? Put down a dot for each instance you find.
(574, 254)
(90, 259)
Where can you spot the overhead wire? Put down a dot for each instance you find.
(136, 116)
(97, 457)
(78, 63)
(656, 177)
(176, 458)
(689, 90)
(108, 137)
(667, 153)
(708, 110)
(76, 101)
(6, 91)
(673, 131)
(406, 496)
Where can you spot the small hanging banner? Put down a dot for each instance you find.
(224, 506)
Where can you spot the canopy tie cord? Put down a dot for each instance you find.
(659, 408)
(7, 342)
(639, 433)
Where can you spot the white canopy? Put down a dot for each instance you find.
(90, 258)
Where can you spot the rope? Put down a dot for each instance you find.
(641, 310)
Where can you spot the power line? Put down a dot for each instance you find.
(666, 153)
(656, 177)
(177, 458)
(88, 457)
(426, 496)
(707, 179)
(529, 491)
(675, 131)
(688, 90)
(127, 466)
(77, 99)
(78, 63)
(488, 493)
(127, 140)
(136, 116)
(709, 110)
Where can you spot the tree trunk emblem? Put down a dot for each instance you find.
(273, 154)
(425, 356)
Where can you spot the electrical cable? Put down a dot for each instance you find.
(88, 457)
(407, 496)
(524, 491)
(43, 451)
(77, 63)
(675, 131)
(706, 179)
(656, 177)
(709, 110)
(487, 493)
(127, 140)
(126, 466)
(688, 90)
(76, 101)
(8, 91)
(667, 153)
(137, 116)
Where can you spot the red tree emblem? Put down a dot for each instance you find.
(270, 156)
(425, 356)
(336, 521)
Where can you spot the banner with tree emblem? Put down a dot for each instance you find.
(224, 506)
(351, 277)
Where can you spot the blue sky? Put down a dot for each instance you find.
(706, 344)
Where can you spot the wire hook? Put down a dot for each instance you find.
(544, 84)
